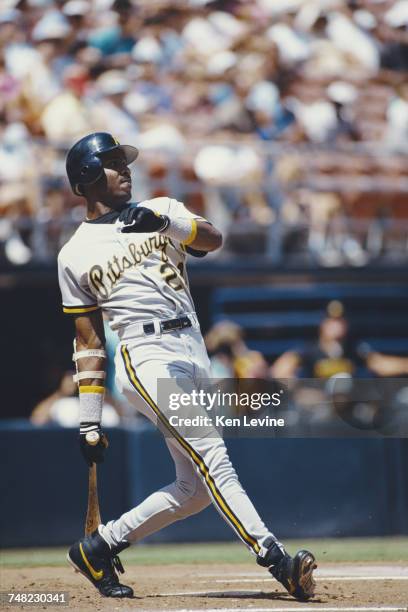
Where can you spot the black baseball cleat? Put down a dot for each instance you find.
(94, 559)
(295, 573)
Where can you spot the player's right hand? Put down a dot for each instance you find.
(92, 442)
(142, 220)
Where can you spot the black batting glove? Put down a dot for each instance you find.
(138, 219)
(92, 442)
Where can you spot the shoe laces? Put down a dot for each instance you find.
(110, 576)
(114, 565)
(117, 564)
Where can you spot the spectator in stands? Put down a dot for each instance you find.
(326, 360)
(252, 365)
(14, 203)
(225, 343)
(330, 356)
(230, 356)
(392, 32)
(396, 136)
(17, 200)
(109, 113)
(50, 37)
(76, 12)
(68, 115)
(116, 41)
(343, 95)
(270, 118)
(9, 91)
(316, 120)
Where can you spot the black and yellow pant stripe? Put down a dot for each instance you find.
(196, 458)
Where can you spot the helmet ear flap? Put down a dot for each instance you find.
(90, 170)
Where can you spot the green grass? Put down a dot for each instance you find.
(372, 550)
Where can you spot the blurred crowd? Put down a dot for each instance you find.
(231, 103)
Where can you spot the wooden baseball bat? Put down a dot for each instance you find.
(93, 515)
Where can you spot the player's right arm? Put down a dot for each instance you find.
(89, 354)
(90, 361)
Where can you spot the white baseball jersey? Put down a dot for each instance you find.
(134, 277)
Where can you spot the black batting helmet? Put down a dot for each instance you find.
(84, 165)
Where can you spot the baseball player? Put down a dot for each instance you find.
(128, 260)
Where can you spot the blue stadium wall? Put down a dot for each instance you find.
(302, 487)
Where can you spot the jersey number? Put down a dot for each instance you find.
(170, 275)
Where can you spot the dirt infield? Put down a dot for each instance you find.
(207, 587)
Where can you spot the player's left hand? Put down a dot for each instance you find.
(142, 220)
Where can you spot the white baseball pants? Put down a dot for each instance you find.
(204, 473)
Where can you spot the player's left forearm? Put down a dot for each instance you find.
(208, 238)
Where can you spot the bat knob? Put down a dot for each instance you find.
(92, 438)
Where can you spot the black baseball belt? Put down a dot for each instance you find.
(168, 325)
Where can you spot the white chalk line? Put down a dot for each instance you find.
(357, 570)
(214, 593)
(318, 578)
(297, 609)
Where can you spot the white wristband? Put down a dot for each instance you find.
(91, 374)
(88, 353)
(181, 229)
(90, 403)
